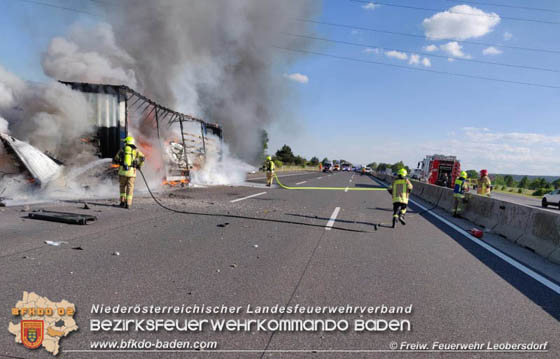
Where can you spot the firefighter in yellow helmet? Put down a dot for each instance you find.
(461, 187)
(400, 190)
(129, 159)
(269, 168)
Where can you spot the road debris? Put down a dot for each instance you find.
(116, 253)
(233, 265)
(55, 243)
(223, 225)
(64, 217)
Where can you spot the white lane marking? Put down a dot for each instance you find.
(319, 177)
(330, 223)
(279, 175)
(302, 182)
(346, 190)
(251, 196)
(531, 273)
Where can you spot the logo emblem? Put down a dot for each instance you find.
(32, 333)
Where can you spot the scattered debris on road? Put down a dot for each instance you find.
(223, 225)
(55, 243)
(116, 253)
(64, 217)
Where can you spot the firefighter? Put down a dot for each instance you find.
(484, 184)
(461, 186)
(400, 190)
(129, 159)
(269, 167)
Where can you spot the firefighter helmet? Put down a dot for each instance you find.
(483, 173)
(463, 174)
(402, 172)
(129, 141)
(269, 158)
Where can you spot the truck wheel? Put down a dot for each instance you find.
(544, 203)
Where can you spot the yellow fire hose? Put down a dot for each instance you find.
(329, 188)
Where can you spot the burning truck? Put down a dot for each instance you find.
(176, 145)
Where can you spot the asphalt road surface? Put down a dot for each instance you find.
(261, 246)
(528, 201)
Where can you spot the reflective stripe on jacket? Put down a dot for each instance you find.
(270, 166)
(460, 186)
(400, 188)
(126, 158)
(484, 185)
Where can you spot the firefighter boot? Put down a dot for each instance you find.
(394, 222)
(401, 219)
(122, 204)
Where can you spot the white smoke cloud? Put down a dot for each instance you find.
(50, 116)
(297, 77)
(89, 55)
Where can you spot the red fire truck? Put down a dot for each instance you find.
(435, 169)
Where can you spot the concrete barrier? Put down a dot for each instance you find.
(529, 227)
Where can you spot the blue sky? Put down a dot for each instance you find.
(364, 112)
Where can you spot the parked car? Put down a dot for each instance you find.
(327, 167)
(369, 170)
(551, 199)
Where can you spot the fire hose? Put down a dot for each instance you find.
(243, 217)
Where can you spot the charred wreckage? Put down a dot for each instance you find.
(175, 143)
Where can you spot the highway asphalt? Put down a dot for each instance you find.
(528, 201)
(266, 246)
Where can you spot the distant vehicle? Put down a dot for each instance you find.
(345, 167)
(336, 167)
(369, 170)
(416, 174)
(327, 167)
(551, 199)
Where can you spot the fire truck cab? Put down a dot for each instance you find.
(435, 169)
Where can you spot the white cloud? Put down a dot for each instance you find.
(426, 62)
(414, 59)
(396, 54)
(450, 59)
(507, 36)
(501, 152)
(430, 48)
(370, 6)
(453, 48)
(460, 22)
(297, 77)
(491, 51)
(369, 50)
